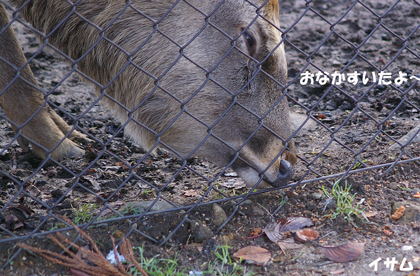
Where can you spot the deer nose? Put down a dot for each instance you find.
(285, 170)
(284, 175)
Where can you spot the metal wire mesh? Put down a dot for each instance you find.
(349, 115)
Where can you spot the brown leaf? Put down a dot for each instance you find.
(13, 222)
(306, 234)
(275, 230)
(256, 232)
(388, 231)
(189, 193)
(294, 223)
(25, 208)
(343, 253)
(336, 272)
(370, 214)
(254, 255)
(288, 244)
(18, 225)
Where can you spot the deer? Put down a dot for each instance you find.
(199, 78)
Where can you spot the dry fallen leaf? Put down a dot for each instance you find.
(256, 232)
(398, 213)
(288, 244)
(343, 253)
(336, 272)
(370, 214)
(25, 209)
(13, 223)
(306, 234)
(275, 230)
(189, 193)
(254, 255)
(388, 231)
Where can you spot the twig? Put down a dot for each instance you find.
(127, 251)
(101, 267)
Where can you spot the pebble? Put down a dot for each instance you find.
(407, 248)
(219, 215)
(257, 211)
(195, 273)
(247, 202)
(380, 87)
(143, 205)
(317, 195)
(386, 37)
(412, 137)
(200, 232)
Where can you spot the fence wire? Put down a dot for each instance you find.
(352, 89)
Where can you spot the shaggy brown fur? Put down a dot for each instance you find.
(200, 78)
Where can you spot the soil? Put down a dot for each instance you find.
(352, 129)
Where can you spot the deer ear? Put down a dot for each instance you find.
(271, 9)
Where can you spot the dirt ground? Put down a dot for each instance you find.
(353, 127)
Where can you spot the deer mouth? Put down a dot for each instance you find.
(252, 174)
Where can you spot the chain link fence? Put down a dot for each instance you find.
(352, 89)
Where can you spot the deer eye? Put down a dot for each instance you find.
(251, 43)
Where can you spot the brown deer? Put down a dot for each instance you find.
(201, 78)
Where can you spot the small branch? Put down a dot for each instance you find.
(101, 267)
